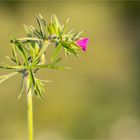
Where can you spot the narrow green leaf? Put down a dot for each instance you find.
(38, 91)
(26, 29)
(15, 54)
(67, 46)
(12, 59)
(42, 51)
(56, 52)
(32, 79)
(35, 32)
(50, 28)
(70, 32)
(13, 67)
(45, 81)
(40, 26)
(57, 61)
(77, 35)
(21, 88)
(56, 24)
(21, 49)
(29, 39)
(43, 20)
(32, 52)
(64, 26)
(7, 76)
(49, 66)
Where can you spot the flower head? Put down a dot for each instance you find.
(83, 43)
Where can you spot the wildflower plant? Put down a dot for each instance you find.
(29, 56)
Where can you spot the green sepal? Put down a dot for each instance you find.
(77, 35)
(68, 47)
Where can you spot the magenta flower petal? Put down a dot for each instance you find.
(83, 43)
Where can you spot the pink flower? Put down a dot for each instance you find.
(83, 43)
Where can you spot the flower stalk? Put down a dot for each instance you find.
(29, 109)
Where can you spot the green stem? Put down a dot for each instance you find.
(29, 110)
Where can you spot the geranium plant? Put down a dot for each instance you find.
(29, 56)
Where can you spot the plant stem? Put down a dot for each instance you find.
(29, 110)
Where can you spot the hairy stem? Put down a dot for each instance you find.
(29, 110)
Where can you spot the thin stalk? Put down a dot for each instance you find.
(29, 110)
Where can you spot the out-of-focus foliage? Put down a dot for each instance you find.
(99, 98)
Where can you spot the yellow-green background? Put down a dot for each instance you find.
(100, 97)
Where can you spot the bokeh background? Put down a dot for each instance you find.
(100, 97)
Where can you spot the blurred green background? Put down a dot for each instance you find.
(100, 97)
